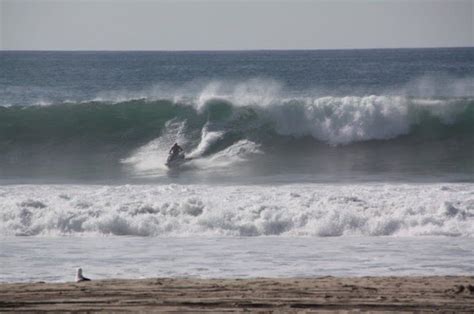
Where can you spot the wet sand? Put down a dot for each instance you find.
(373, 294)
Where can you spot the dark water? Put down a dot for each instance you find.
(263, 116)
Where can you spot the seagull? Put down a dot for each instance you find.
(79, 276)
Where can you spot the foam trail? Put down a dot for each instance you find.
(152, 156)
(239, 151)
(208, 138)
(236, 153)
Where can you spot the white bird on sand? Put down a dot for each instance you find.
(79, 276)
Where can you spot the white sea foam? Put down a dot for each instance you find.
(333, 119)
(207, 139)
(150, 159)
(152, 156)
(341, 120)
(200, 210)
(236, 153)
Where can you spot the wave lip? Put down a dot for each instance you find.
(200, 210)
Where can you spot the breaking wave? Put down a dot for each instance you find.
(106, 139)
(333, 120)
(201, 210)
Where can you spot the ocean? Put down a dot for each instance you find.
(303, 163)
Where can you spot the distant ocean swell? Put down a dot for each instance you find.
(331, 120)
(200, 210)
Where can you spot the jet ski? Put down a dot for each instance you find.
(174, 160)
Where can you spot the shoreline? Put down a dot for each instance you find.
(401, 293)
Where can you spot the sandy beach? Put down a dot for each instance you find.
(372, 294)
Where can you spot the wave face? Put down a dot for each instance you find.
(200, 210)
(228, 127)
(333, 120)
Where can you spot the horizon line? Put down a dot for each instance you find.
(226, 50)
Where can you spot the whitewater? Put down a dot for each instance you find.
(304, 163)
(199, 210)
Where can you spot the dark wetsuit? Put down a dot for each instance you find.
(176, 149)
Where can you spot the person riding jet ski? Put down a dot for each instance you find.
(176, 149)
(176, 155)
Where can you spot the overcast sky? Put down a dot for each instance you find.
(233, 24)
